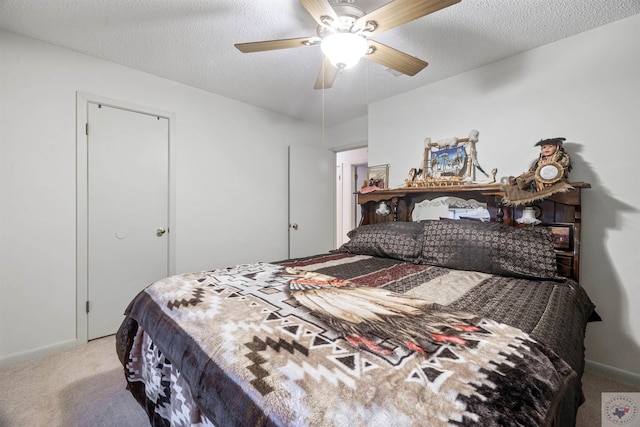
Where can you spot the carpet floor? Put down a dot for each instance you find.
(85, 387)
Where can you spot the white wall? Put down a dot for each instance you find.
(230, 158)
(585, 88)
(347, 135)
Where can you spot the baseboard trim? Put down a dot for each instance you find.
(38, 352)
(610, 371)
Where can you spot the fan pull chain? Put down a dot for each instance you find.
(324, 141)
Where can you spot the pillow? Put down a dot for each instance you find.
(490, 247)
(398, 240)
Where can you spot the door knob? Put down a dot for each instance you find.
(294, 226)
(160, 231)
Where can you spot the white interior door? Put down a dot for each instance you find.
(128, 210)
(311, 201)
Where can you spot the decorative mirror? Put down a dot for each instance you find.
(550, 173)
(451, 208)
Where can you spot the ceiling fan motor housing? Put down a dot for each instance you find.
(348, 14)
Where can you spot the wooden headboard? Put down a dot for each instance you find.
(562, 211)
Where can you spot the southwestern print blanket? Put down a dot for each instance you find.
(233, 347)
(553, 313)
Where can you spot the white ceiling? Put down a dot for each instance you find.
(191, 41)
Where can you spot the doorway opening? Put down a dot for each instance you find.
(351, 171)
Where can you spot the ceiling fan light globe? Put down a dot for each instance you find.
(344, 50)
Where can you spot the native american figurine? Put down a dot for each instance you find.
(413, 175)
(552, 166)
(548, 174)
(363, 314)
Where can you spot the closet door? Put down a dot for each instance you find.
(128, 209)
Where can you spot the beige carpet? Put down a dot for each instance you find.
(81, 387)
(85, 387)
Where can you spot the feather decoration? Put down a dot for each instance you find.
(365, 314)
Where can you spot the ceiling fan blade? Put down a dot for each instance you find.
(277, 44)
(399, 12)
(318, 9)
(395, 59)
(327, 75)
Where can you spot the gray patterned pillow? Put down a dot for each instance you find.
(398, 240)
(491, 248)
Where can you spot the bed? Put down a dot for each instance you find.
(433, 322)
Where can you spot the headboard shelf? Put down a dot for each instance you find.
(563, 211)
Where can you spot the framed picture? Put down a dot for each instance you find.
(378, 176)
(562, 236)
(449, 162)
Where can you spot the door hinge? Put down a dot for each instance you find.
(87, 306)
(86, 128)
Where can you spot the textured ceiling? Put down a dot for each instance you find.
(191, 41)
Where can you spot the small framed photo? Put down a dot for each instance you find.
(562, 236)
(378, 176)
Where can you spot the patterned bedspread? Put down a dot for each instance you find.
(234, 347)
(554, 313)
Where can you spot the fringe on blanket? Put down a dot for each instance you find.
(514, 196)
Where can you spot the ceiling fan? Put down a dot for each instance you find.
(343, 35)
